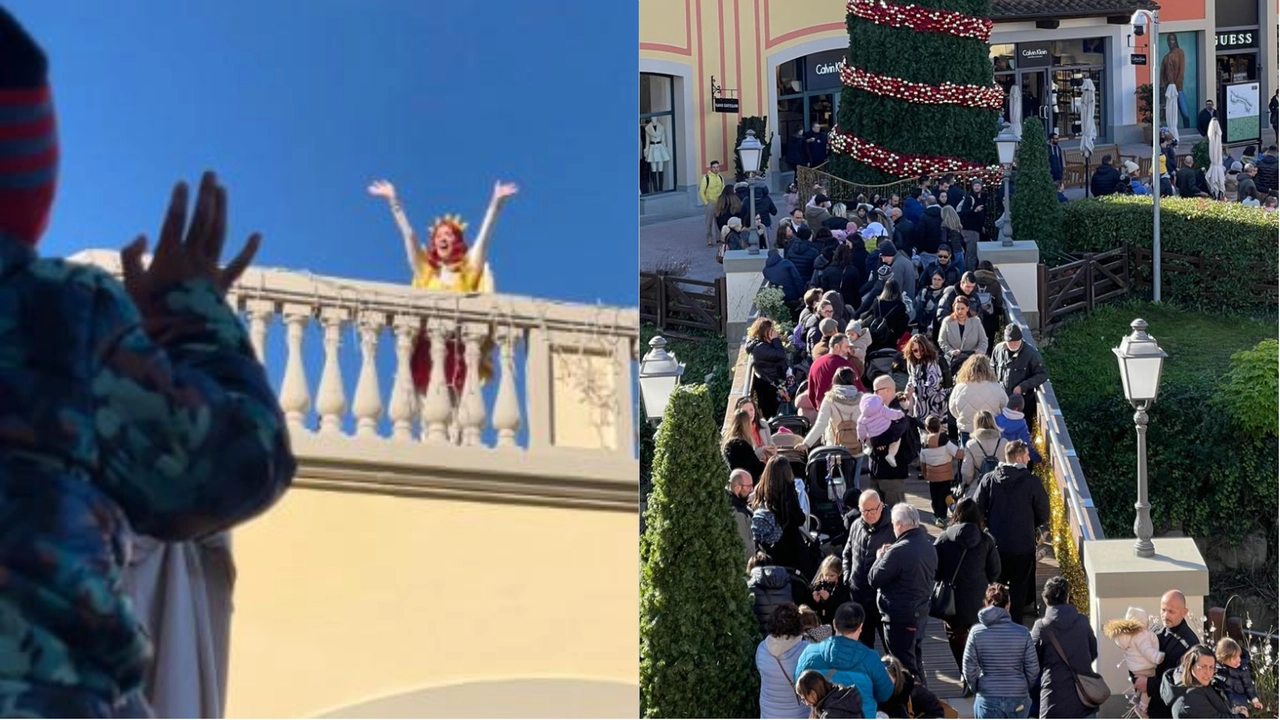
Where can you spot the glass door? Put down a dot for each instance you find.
(1037, 96)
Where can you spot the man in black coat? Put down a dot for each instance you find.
(765, 207)
(903, 578)
(1014, 504)
(816, 145)
(928, 230)
(1188, 181)
(1105, 178)
(740, 487)
(1207, 114)
(1268, 176)
(869, 530)
(802, 252)
(1057, 163)
(1175, 639)
(1019, 368)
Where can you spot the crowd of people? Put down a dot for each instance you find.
(914, 372)
(1252, 180)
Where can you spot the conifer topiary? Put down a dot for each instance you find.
(697, 628)
(1037, 214)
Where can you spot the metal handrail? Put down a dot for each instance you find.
(1065, 466)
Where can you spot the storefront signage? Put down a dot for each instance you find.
(1138, 58)
(1236, 40)
(1244, 112)
(725, 105)
(1033, 55)
(822, 70)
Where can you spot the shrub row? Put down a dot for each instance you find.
(1238, 244)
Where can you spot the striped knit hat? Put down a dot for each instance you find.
(28, 136)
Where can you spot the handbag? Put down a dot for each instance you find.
(942, 603)
(720, 252)
(1090, 686)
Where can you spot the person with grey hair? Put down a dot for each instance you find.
(869, 531)
(738, 490)
(903, 578)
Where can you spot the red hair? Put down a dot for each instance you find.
(459, 251)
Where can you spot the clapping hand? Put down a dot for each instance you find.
(179, 259)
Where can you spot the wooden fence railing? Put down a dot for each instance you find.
(1083, 284)
(681, 307)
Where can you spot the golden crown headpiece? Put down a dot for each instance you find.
(454, 221)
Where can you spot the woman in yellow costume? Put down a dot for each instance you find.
(446, 264)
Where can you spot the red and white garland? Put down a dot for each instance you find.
(921, 19)
(869, 153)
(947, 93)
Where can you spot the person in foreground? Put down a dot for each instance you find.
(1188, 689)
(827, 699)
(845, 661)
(125, 407)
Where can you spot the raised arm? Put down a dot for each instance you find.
(478, 254)
(412, 250)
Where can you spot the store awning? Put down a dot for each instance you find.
(1023, 10)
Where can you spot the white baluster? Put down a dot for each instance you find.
(368, 401)
(331, 398)
(624, 350)
(506, 407)
(471, 404)
(404, 399)
(538, 415)
(260, 313)
(437, 407)
(295, 397)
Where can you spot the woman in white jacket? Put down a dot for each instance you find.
(986, 441)
(837, 420)
(776, 659)
(976, 389)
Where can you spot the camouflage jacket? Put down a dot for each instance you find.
(171, 431)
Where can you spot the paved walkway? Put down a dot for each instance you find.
(678, 241)
(939, 666)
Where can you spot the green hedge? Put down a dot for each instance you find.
(1035, 210)
(1212, 466)
(697, 628)
(1234, 239)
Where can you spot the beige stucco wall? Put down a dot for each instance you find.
(740, 42)
(347, 597)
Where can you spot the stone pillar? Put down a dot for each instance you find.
(1019, 266)
(1119, 579)
(743, 279)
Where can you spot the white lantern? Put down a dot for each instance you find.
(659, 375)
(1141, 361)
(1006, 145)
(750, 151)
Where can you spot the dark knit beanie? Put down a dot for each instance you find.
(28, 135)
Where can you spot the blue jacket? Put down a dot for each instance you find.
(854, 664)
(912, 209)
(802, 254)
(1013, 426)
(999, 657)
(781, 271)
(171, 430)
(776, 664)
(1056, 164)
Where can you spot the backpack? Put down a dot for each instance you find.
(845, 432)
(936, 473)
(989, 462)
(764, 527)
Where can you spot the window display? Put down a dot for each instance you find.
(1179, 58)
(657, 134)
(808, 94)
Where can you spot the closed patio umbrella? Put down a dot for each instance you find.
(1088, 128)
(1215, 175)
(1015, 109)
(1171, 111)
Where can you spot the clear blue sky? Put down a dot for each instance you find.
(299, 105)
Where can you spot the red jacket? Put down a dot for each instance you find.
(821, 374)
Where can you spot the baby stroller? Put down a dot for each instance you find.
(829, 479)
(886, 361)
(797, 424)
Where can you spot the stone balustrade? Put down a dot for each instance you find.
(562, 374)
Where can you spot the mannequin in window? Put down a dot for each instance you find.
(446, 264)
(655, 151)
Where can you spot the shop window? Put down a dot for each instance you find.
(657, 134)
(1003, 58)
(808, 93)
(1180, 57)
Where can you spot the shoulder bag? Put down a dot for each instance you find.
(1090, 686)
(942, 603)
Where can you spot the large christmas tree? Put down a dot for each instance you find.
(919, 94)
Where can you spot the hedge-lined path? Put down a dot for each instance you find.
(939, 666)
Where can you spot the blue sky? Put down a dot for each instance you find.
(299, 105)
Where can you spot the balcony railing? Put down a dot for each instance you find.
(562, 373)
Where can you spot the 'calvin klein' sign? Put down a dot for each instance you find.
(1034, 55)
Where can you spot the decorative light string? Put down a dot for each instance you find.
(904, 165)
(947, 93)
(921, 19)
